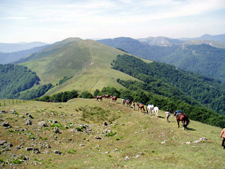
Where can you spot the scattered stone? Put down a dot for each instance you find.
(29, 148)
(72, 130)
(3, 112)
(56, 130)
(30, 116)
(2, 142)
(28, 122)
(36, 151)
(200, 140)
(126, 158)
(13, 111)
(105, 124)
(163, 142)
(9, 144)
(188, 142)
(42, 124)
(6, 124)
(81, 145)
(57, 152)
(97, 137)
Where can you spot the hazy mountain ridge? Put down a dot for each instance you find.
(196, 58)
(15, 56)
(15, 47)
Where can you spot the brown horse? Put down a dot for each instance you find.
(180, 116)
(114, 98)
(98, 97)
(141, 106)
(128, 102)
(106, 96)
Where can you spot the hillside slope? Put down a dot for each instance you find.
(87, 61)
(130, 140)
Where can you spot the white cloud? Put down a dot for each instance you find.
(105, 17)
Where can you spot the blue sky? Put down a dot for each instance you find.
(53, 20)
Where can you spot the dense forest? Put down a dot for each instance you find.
(14, 79)
(203, 59)
(199, 96)
(207, 91)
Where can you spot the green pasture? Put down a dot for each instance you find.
(134, 139)
(88, 61)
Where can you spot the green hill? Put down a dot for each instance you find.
(88, 63)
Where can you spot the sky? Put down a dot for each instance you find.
(54, 20)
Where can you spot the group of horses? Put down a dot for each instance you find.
(106, 96)
(180, 116)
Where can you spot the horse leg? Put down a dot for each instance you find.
(183, 122)
(178, 123)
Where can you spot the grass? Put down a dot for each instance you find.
(88, 61)
(149, 142)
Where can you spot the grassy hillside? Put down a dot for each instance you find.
(89, 63)
(130, 140)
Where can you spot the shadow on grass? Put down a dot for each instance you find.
(190, 129)
(161, 117)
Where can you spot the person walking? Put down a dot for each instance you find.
(134, 105)
(167, 115)
(222, 135)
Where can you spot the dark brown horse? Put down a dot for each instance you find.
(128, 102)
(141, 106)
(114, 98)
(180, 116)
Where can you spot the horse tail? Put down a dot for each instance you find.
(187, 121)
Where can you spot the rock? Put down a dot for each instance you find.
(42, 124)
(28, 122)
(57, 152)
(9, 144)
(30, 116)
(5, 124)
(2, 142)
(55, 121)
(56, 130)
(72, 130)
(126, 158)
(200, 140)
(3, 112)
(29, 148)
(36, 151)
(13, 111)
(138, 155)
(188, 142)
(97, 137)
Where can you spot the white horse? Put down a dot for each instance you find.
(149, 108)
(156, 110)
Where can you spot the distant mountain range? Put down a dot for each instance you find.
(15, 56)
(15, 47)
(213, 40)
(203, 59)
